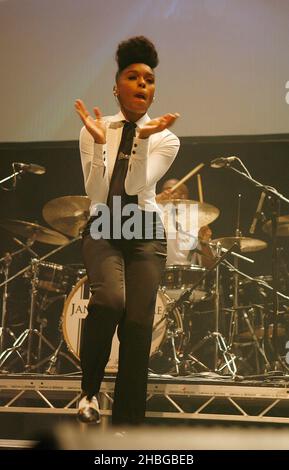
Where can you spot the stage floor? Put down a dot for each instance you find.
(205, 396)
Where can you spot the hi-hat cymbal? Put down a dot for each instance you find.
(68, 214)
(247, 244)
(207, 213)
(34, 231)
(282, 226)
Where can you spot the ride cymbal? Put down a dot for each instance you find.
(246, 244)
(282, 226)
(207, 213)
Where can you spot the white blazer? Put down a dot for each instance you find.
(149, 161)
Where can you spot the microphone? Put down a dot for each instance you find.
(257, 213)
(29, 168)
(222, 162)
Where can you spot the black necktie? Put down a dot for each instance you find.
(120, 168)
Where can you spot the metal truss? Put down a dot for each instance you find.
(167, 399)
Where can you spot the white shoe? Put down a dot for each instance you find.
(88, 411)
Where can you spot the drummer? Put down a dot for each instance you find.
(202, 255)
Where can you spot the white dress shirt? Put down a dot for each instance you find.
(149, 161)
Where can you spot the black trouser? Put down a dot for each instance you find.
(124, 276)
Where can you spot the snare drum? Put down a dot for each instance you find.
(75, 311)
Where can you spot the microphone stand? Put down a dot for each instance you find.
(275, 198)
(19, 173)
(12, 176)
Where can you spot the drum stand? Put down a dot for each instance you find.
(54, 358)
(171, 335)
(256, 342)
(3, 329)
(6, 260)
(30, 331)
(220, 346)
(244, 310)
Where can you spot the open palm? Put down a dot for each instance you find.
(96, 127)
(158, 125)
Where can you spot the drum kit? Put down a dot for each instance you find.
(206, 319)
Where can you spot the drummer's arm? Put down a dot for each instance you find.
(207, 256)
(164, 195)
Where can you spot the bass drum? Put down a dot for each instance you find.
(75, 311)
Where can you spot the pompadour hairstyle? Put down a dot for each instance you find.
(136, 50)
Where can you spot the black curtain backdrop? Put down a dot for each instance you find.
(266, 157)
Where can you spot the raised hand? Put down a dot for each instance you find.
(164, 195)
(205, 233)
(157, 125)
(96, 127)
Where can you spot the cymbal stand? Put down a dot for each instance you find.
(243, 309)
(220, 343)
(275, 199)
(234, 327)
(216, 336)
(53, 358)
(7, 260)
(171, 333)
(28, 333)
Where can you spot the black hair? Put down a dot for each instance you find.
(136, 50)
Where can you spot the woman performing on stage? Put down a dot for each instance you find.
(123, 157)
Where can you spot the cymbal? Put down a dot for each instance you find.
(247, 244)
(68, 214)
(282, 226)
(207, 213)
(34, 231)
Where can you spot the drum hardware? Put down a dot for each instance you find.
(274, 197)
(253, 336)
(173, 333)
(218, 339)
(54, 358)
(31, 331)
(258, 335)
(6, 261)
(43, 258)
(233, 328)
